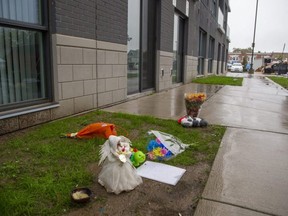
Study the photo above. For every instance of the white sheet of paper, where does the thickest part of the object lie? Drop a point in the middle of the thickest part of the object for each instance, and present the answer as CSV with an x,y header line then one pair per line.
x,y
161,172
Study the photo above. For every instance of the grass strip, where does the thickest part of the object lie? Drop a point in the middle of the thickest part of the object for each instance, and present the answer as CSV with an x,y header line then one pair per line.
x,y
39,169
219,80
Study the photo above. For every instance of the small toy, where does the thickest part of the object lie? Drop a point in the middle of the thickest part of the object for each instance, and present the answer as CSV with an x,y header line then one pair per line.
x,y
137,157
188,121
117,174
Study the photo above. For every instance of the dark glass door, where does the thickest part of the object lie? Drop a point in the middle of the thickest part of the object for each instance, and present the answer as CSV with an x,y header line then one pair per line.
x,y
178,41
133,46
141,46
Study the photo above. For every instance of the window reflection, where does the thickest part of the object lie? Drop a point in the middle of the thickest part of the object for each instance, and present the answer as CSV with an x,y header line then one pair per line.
x,y
21,10
133,41
177,49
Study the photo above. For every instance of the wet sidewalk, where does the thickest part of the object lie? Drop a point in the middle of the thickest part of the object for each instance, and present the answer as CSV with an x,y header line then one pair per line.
x,y
167,104
250,172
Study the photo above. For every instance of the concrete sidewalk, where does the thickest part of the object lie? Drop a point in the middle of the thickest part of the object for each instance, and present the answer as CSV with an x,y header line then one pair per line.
x,y
250,173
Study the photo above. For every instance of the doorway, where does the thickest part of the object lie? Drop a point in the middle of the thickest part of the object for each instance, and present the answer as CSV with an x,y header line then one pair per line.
x,y
178,49
141,46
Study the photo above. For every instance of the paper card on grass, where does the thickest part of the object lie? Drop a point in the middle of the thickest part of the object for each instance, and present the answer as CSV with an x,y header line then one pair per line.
x,y
161,172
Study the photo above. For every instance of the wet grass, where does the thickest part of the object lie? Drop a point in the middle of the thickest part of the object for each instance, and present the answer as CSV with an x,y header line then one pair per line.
x,y
283,81
38,169
219,80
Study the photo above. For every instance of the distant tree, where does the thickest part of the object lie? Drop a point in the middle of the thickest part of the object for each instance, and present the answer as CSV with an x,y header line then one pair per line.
x,y
236,50
279,57
244,62
242,51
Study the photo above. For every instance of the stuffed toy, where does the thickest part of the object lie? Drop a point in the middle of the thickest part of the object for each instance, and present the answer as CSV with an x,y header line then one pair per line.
x,y
188,121
137,157
117,173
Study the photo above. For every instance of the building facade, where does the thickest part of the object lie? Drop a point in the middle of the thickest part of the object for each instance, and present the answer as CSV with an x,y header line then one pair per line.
x,y
59,58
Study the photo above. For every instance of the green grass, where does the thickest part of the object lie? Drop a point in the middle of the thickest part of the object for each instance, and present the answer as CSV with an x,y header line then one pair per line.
x,y
280,80
38,169
219,80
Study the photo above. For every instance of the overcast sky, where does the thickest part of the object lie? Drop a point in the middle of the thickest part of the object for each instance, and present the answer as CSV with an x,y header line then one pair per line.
x,y
271,27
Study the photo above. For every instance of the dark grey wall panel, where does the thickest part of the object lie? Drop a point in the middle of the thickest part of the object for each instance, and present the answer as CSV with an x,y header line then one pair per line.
x,y
181,6
75,18
167,24
112,21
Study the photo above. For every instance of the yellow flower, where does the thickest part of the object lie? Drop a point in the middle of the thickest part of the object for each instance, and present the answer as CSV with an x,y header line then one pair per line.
x,y
199,97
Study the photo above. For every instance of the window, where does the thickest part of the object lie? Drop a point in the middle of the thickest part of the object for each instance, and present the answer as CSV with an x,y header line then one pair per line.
x,y
22,41
141,48
178,48
202,51
211,54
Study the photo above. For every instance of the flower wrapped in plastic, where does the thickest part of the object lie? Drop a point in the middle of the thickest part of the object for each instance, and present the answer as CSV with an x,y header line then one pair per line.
x,y
193,102
157,151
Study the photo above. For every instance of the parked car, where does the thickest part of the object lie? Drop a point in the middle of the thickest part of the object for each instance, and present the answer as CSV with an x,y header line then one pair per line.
x,y
277,68
237,67
229,66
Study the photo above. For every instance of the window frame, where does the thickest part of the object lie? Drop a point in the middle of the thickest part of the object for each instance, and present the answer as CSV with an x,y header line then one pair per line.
x,y
44,29
202,51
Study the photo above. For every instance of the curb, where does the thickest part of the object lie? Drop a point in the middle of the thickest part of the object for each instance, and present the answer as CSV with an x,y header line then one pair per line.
x,y
281,87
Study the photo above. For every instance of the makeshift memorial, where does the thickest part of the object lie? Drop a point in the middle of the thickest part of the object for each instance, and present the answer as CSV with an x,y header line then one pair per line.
x,y
101,129
188,121
117,174
164,147
193,102
137,157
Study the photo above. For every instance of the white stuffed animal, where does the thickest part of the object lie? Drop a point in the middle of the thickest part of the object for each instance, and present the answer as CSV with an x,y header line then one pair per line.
x,y
117,174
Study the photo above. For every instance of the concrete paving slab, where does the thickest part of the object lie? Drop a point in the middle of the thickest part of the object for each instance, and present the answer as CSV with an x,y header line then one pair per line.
x,y
210,208
250,171
254,106
246,113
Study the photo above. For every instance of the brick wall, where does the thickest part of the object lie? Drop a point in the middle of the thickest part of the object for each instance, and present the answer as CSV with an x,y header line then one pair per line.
x,y
112,21
167,24
181,6
90,74
75,18
92,19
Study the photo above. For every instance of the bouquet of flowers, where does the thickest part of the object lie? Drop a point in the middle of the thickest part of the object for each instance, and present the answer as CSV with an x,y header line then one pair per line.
x,y
157,151
193,102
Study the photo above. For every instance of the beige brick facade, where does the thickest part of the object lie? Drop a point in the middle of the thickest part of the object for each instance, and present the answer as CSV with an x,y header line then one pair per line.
x,y
190,70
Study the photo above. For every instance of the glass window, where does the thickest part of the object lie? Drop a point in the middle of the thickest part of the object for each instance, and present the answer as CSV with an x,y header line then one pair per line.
x,y
211,54
22,75
202,51
141,46
133,43
21,10
178,39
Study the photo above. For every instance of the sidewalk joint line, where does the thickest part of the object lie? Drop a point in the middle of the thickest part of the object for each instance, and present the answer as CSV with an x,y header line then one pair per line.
x,y
253,129
239,206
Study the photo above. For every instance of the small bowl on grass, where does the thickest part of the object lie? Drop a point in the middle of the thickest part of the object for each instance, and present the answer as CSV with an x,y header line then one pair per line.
x,y
81,195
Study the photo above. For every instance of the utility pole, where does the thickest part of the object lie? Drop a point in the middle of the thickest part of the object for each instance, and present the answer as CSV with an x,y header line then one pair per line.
x,y
253,44
283,51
